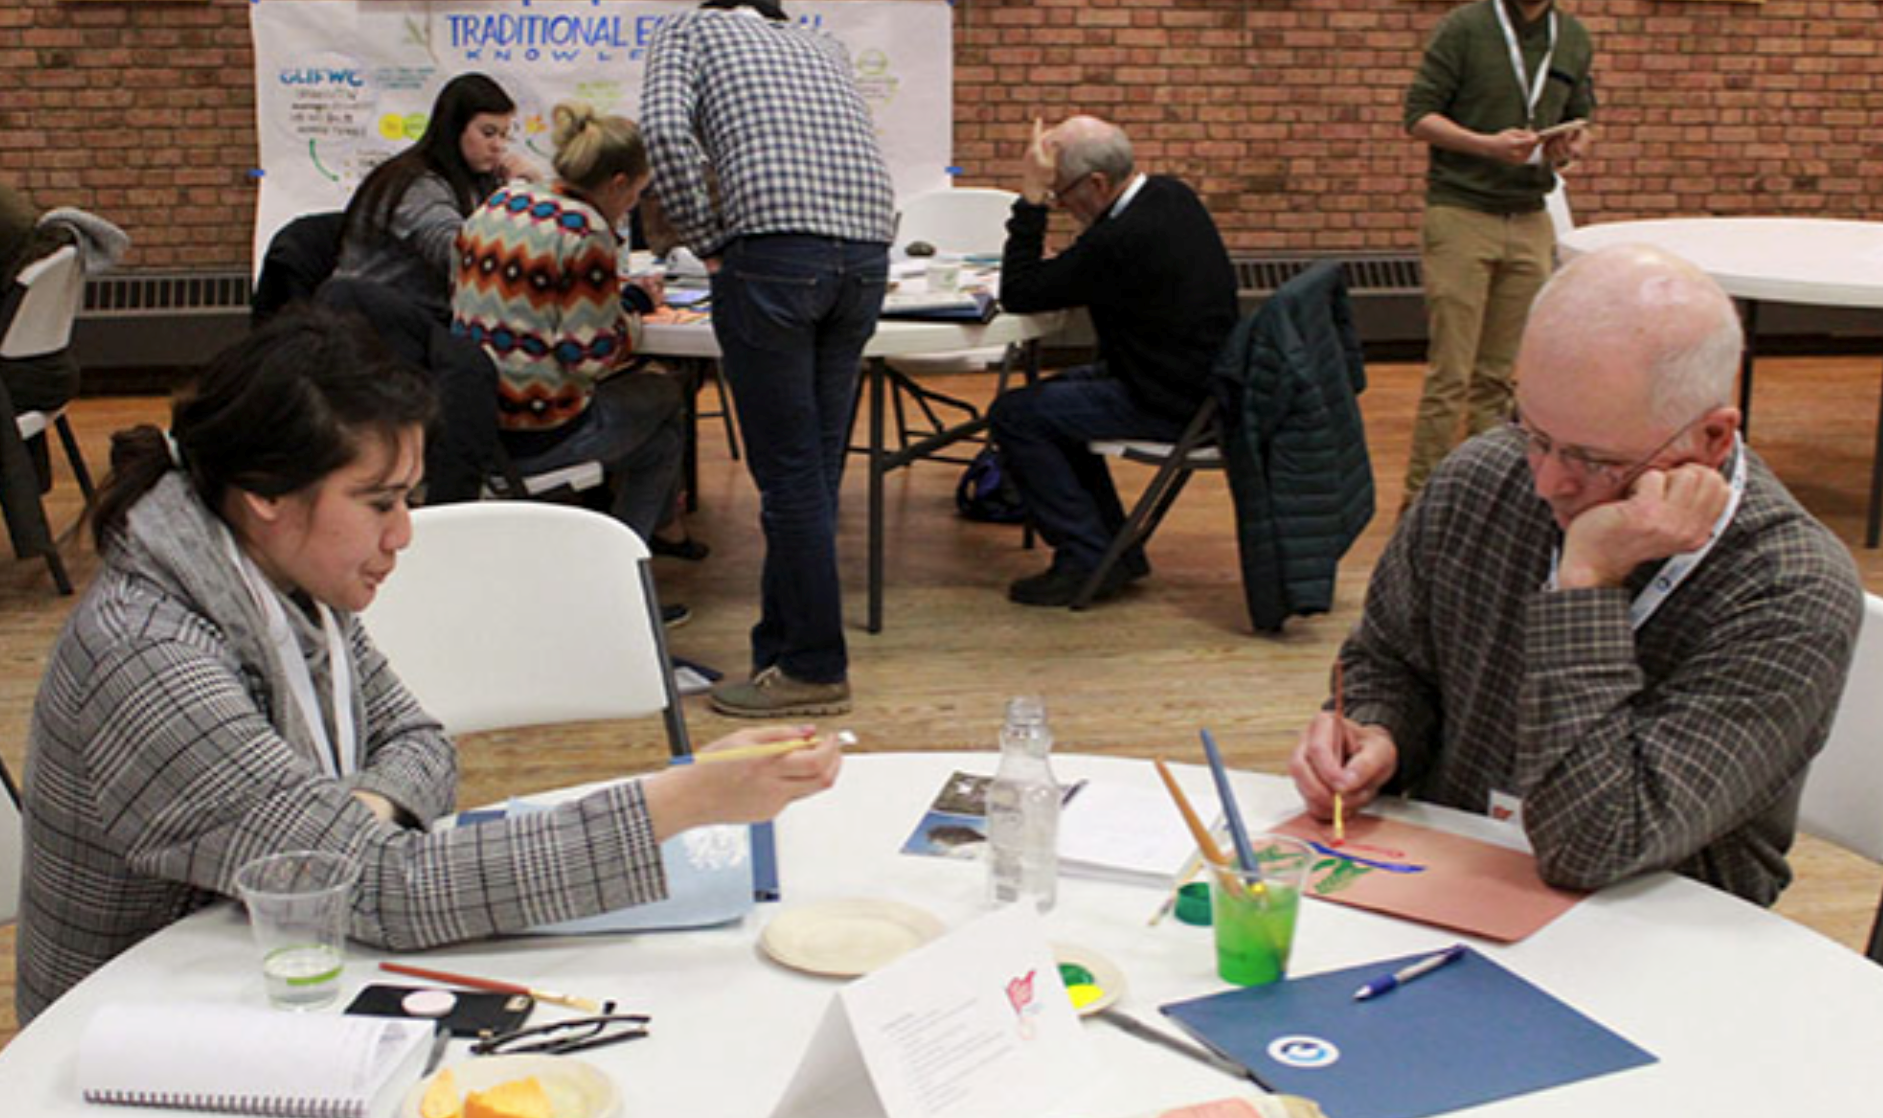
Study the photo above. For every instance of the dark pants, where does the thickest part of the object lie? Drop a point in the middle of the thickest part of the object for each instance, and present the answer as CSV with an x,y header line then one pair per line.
x,y
632,426
792,315
1042,432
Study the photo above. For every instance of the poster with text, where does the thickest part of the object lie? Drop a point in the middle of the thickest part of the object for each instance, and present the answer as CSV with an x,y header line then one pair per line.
x,y
340,85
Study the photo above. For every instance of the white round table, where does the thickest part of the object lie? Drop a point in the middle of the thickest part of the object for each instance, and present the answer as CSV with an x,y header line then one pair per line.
x,y
1814,261
1748,1013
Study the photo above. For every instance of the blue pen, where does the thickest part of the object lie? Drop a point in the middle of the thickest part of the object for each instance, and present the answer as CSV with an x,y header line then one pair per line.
x,y
1407,973
1237,833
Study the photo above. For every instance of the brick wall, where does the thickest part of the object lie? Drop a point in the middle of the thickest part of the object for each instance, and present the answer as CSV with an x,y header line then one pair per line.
x,y
1284,113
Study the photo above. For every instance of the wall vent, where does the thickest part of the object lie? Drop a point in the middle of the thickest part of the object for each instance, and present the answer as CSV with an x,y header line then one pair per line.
x,y
144,294
1366,275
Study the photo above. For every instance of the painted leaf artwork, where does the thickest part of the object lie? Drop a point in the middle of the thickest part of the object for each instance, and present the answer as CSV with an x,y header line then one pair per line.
x,y
1418,873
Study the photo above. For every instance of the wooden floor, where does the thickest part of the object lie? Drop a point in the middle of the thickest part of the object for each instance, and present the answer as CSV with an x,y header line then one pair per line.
x,y
1136,676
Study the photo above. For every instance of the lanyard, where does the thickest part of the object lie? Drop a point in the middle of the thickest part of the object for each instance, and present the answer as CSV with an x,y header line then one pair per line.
x,y
336,760
1531,91
1675,570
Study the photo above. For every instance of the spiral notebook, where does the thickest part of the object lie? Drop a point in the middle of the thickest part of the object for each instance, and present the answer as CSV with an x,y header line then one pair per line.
x,y
250,1060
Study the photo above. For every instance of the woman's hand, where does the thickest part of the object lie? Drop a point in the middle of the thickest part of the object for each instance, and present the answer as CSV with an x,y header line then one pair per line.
x,y
745,790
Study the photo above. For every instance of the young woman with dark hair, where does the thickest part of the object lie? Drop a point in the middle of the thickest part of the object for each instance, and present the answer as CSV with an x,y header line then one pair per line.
x,y
404,217
214,699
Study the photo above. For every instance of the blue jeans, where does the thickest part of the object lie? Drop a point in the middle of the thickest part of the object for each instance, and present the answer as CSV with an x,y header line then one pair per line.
x,y
792,315
633,427
1042,432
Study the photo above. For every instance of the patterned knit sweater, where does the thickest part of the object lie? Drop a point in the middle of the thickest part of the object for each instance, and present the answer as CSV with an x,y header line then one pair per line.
x,y
537,287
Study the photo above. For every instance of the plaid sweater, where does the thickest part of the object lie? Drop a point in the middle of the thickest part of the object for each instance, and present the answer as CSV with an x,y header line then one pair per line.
x,y
773,111
157,767
1682,746
538,287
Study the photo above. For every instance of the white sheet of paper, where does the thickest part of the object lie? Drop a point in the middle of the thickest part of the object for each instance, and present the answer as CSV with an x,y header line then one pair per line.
x,y
1127,832
974,1025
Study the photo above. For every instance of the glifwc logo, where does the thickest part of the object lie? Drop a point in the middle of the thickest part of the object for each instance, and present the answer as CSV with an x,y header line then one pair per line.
x,y
1303,1051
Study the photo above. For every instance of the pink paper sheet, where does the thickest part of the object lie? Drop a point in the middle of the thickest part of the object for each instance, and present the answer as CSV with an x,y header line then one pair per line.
x,y
1405,870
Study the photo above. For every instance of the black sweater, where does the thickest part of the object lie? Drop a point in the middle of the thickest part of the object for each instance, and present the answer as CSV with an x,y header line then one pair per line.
x,y
1156,279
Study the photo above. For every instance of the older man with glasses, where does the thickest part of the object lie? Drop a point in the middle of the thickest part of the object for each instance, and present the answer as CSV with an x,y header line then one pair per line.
x,y
1608,622
1151,269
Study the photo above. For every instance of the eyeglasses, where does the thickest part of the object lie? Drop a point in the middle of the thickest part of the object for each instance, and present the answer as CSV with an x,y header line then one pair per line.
x,y
574,1035
1594,469
1061,193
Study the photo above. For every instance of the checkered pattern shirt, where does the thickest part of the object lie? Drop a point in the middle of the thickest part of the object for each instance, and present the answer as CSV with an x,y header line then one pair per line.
x,y
773,111
1682,746
155,770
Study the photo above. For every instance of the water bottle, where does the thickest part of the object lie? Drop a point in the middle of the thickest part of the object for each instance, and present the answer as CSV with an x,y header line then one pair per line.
x,y
1023,811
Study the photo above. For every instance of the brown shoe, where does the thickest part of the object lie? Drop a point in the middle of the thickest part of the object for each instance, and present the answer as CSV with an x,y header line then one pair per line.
x,y
773,694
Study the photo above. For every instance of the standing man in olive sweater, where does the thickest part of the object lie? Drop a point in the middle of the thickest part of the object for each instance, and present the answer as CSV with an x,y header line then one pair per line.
x,y
1496,75
1152,271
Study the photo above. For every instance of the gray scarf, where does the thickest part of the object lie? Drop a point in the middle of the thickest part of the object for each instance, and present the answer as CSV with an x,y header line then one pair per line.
x,y
175,540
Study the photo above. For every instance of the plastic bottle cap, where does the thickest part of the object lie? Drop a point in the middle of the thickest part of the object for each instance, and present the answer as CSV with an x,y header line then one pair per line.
x,y
1193,903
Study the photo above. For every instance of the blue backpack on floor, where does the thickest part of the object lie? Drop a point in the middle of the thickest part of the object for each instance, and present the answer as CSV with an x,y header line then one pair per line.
x,y
987,492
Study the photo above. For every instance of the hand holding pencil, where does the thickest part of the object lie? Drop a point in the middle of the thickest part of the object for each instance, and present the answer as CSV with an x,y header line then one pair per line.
x,y
746,777
1340,758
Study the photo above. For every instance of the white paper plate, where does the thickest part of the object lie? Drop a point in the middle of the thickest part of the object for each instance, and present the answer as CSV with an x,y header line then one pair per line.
x,y
575,1089
1105,975
847,938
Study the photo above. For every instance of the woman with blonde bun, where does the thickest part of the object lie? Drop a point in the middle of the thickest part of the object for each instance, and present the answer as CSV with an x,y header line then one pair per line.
x,y
538,287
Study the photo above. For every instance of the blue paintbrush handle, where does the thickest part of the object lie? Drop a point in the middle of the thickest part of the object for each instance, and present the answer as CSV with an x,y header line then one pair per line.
x,y
1238,834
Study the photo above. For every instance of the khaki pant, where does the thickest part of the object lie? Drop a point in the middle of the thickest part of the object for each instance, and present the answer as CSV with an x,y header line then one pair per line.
x,y
1482,271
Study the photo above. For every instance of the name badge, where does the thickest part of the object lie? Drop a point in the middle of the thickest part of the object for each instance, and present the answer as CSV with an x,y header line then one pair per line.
x,y
1505,808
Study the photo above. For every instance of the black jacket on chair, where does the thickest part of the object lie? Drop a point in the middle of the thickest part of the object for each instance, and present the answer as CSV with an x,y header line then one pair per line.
x,y
1287,381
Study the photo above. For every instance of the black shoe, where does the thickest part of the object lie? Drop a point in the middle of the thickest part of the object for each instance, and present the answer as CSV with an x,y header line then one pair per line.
x,y
686,548
1135,564
675,614
1059,585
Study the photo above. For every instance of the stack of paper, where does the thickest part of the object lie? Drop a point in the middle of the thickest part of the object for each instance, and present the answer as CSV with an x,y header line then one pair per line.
x,y
1127,832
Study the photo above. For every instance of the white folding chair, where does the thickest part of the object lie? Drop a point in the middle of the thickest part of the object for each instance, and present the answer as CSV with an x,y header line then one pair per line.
x,y
513,613
952,222
1843,798
52,288
12,847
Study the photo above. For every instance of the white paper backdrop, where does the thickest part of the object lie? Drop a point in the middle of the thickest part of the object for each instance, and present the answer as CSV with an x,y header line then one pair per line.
x,y
342,84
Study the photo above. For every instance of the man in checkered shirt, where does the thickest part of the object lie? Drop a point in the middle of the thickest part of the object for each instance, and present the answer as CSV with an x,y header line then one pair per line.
x,y
1608,620
766,164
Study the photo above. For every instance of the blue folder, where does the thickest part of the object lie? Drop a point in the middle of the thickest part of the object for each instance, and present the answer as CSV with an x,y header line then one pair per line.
x,y
1464,1034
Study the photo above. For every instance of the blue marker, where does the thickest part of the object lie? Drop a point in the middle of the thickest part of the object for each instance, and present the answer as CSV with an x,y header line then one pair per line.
x,y
1238,834
1407,973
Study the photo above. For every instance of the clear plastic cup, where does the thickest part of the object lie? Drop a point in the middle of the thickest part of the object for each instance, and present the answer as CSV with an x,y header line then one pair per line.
x,y
297,907
1253,912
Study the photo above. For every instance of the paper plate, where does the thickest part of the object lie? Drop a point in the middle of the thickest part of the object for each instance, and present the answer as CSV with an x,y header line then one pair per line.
x,y
575,1089
1105,975
847,938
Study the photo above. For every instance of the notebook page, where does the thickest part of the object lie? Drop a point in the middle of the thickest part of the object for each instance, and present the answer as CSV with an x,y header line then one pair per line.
x,y
221,1056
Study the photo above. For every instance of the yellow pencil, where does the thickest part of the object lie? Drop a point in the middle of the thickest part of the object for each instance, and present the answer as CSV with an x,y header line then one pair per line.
x,y
770,748
1340,727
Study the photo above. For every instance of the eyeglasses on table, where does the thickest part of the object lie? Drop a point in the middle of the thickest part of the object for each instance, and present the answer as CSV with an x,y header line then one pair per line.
x,y
577,1034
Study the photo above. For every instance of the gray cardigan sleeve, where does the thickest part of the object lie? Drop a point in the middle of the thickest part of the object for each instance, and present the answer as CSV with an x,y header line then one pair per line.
x,y
192,781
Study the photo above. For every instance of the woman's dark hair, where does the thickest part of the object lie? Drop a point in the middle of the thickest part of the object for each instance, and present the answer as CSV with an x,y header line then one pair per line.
x,y
770,9
461,100
272,414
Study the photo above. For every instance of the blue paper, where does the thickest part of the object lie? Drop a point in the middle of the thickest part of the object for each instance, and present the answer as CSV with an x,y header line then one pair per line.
x,y
1462,1035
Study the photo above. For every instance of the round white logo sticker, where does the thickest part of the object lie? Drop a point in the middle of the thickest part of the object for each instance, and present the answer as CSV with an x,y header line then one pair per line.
x,y
1303,1051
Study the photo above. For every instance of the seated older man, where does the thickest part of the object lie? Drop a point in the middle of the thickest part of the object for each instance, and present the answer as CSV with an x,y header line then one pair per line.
x,y
1152,271
1608,620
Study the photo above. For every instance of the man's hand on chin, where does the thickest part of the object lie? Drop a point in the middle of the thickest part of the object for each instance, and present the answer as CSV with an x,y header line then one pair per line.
x,y
1665,513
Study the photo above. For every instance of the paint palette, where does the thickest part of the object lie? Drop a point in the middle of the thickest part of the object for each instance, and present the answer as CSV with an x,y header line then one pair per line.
x,y
1092,981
